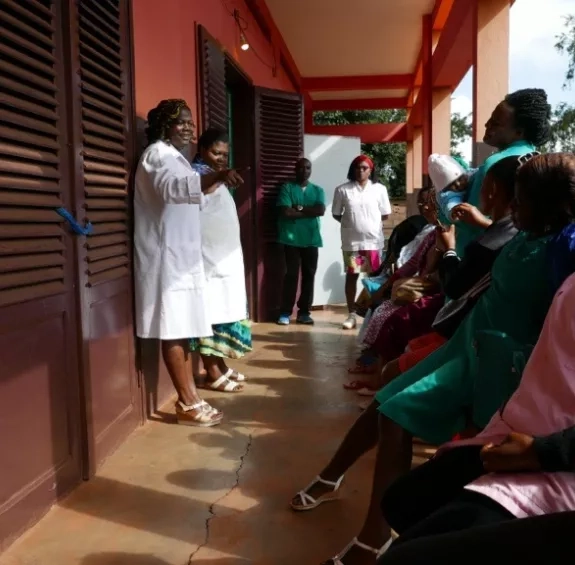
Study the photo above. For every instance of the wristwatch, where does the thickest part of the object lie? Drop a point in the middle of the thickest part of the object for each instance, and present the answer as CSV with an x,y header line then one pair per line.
x,y
299,207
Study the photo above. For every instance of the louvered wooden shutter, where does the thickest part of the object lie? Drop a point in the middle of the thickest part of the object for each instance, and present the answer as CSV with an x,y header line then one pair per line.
x,y
213,95
279,143
31,144
102,27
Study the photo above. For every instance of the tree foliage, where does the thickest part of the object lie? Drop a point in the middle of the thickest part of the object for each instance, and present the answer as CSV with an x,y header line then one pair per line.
x,y
566,46
461,129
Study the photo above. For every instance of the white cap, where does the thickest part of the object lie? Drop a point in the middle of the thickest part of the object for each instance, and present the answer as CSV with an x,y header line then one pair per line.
x,y
443,170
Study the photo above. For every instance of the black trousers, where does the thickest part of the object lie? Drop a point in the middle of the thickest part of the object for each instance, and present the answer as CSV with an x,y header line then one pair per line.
x,y
296,258
544,540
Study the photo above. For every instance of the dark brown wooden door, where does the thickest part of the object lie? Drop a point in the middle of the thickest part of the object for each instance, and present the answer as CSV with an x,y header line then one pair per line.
x,y
102,153
39,393
279,143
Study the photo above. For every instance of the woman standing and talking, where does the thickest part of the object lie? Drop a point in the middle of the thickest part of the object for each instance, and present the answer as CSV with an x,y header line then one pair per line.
x,y
169,277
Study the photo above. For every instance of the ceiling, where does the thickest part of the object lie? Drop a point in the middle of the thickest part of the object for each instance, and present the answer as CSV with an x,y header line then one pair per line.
x,y
375,37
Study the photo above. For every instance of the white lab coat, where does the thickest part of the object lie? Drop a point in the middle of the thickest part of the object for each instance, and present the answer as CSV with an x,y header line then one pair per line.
x,y
223,257
168,266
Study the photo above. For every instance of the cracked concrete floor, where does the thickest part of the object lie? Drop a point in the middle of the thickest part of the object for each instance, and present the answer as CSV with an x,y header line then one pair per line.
x,y
173,495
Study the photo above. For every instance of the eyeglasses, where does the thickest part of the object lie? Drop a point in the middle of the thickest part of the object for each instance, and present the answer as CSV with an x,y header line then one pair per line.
x,y
522,159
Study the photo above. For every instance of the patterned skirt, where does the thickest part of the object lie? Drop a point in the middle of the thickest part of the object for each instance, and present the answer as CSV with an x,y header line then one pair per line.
x,y
232,340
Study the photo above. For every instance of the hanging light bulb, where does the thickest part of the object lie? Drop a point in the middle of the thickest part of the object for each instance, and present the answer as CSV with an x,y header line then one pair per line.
x,y
244,45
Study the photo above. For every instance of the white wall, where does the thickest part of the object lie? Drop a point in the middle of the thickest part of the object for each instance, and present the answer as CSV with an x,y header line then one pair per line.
x,y
330,157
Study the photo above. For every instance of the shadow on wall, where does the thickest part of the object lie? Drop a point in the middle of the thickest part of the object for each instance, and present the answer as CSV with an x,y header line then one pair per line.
x,y
334,283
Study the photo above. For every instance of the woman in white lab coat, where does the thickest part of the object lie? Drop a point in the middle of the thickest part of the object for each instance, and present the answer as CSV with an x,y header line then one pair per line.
x,y
224,268
168,265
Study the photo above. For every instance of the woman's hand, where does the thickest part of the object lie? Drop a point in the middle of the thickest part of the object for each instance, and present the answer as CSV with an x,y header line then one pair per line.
x,y
231,178
470,215
445,238
516,453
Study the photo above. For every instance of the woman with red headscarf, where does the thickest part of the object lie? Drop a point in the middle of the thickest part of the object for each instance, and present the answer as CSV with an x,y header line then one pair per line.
x,y
360,205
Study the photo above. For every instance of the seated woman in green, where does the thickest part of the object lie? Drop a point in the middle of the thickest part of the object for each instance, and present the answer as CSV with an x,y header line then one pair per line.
x,y
518,125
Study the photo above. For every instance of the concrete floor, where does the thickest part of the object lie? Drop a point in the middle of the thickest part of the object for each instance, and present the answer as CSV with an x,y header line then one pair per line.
x,y
173,495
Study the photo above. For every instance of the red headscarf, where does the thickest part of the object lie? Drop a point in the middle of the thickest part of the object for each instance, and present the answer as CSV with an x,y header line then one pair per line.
x,y
362,159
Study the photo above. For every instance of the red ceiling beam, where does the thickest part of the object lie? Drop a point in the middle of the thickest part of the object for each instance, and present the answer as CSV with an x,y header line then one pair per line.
x,y
368,133
367,82
453,55
261,13
359,104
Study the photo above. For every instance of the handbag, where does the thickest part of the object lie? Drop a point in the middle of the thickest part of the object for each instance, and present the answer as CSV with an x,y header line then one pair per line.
x,y
411,289
454,312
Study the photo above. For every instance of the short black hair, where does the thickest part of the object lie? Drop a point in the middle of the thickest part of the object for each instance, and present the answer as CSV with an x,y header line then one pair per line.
x,y
504,173
161,118
212,136
532,114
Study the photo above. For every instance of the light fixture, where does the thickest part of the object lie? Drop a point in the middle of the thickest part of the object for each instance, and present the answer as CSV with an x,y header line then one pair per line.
x,y
244,45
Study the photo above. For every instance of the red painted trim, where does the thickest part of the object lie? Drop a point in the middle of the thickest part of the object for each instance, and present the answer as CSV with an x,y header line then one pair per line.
x,y
261,12
440,14
307,111
359,104
368,133
368,82
426,89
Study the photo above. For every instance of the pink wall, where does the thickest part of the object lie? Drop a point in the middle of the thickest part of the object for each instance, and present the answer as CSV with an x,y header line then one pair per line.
x,y
165,48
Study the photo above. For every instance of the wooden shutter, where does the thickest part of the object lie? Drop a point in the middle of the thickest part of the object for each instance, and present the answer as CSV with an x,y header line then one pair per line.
x,y
213,94
31,236
105,112
279,143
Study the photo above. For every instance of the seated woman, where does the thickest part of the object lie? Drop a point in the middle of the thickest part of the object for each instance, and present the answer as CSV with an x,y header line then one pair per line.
x,y
422,263
521,466
225,277
433,400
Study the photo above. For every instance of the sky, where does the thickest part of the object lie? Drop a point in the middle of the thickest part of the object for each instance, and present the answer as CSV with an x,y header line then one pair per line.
x,y
533,59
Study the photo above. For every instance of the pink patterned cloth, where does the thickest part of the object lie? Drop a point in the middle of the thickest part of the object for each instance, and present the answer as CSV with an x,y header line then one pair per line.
x,y
415,266
355,262
544,403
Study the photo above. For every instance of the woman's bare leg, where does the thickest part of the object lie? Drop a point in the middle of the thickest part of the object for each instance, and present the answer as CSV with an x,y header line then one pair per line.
x,y
177,358
197,365
361,438
393,459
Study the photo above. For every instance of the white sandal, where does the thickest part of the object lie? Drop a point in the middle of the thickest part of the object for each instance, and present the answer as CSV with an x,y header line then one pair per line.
x,y
201,415
236,376
337,560
223,384
308,502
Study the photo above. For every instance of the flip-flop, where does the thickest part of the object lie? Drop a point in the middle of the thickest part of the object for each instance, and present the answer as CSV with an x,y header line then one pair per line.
x,y
361,369
366,391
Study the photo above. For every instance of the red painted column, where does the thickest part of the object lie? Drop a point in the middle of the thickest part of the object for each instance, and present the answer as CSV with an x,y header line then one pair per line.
x,y
426,93
307,113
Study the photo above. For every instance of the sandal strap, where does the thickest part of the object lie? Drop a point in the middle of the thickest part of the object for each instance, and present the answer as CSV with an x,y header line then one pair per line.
x,y
229,386
356,543
308,499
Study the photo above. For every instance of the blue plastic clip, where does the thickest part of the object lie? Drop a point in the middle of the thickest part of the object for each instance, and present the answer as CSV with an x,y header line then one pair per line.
x,y
73,223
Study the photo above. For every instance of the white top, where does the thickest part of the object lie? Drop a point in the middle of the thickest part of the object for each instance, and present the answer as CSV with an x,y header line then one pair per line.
x,y
361,210
223,258
168,267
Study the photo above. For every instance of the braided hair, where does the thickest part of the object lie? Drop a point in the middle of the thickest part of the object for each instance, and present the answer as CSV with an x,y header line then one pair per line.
x,y
162,118
532,114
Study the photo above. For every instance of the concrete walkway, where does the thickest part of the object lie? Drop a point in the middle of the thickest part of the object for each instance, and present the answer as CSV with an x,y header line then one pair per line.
x,y
173,495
